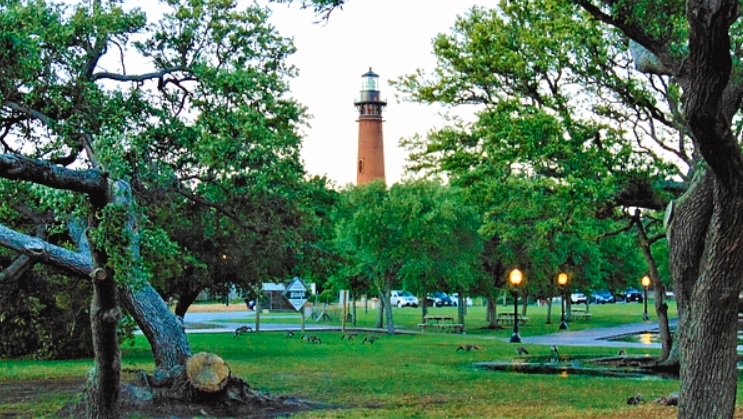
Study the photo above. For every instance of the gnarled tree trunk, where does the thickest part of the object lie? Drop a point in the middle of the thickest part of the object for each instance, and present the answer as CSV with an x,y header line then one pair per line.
x,y
708,344
707,261
102,391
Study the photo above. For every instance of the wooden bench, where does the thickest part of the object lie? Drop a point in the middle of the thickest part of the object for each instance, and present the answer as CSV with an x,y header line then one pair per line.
x,y
507,318
580,313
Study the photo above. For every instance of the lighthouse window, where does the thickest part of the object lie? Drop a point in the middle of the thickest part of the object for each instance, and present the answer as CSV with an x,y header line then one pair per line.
x,y
361,166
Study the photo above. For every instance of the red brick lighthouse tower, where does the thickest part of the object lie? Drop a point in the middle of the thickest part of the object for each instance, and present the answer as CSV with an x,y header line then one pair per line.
x,y
370,164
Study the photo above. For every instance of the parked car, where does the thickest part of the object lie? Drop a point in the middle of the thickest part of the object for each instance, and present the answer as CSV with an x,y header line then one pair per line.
x,y
578,298
632,294
439,299
602,297
403,299
455,300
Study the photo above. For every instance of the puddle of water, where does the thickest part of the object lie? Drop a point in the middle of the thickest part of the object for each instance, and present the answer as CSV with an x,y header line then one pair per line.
x,y
651,336
566,369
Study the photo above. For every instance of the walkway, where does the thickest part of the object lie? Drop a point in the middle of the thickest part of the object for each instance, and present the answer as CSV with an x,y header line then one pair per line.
x,y
272,322
598,336
269,322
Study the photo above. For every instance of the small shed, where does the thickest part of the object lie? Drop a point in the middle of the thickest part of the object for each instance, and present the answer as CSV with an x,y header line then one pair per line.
x,y
273,299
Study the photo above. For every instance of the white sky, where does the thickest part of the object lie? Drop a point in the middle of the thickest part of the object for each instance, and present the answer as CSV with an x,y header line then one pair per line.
x,y
391,36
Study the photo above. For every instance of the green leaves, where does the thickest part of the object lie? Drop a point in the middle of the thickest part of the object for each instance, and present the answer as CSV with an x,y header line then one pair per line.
x,y
419,232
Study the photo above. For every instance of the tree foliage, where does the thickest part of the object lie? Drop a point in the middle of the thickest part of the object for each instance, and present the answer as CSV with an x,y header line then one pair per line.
x,y
121,127
620,102
418,235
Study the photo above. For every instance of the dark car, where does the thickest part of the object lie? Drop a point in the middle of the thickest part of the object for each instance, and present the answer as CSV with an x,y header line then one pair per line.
x,y
602,297
439,299
632,294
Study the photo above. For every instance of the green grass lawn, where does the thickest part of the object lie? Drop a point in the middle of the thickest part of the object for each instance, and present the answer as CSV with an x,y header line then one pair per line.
x,y
405,375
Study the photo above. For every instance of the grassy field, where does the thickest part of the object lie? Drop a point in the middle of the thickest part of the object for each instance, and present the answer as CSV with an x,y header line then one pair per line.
x,y
405,375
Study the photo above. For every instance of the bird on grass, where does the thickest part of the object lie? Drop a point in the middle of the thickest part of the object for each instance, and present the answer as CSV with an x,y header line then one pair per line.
x,y
242,329
467,348
522,351
555,352
311,339
370,339
349,336
290,334
636,399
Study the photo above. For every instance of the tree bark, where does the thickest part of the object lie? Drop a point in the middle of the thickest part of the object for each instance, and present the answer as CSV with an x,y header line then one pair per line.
x,y
102,390
492,311
706,260
161,328
661,308
381,310
185,300
354,301
708,344
388,306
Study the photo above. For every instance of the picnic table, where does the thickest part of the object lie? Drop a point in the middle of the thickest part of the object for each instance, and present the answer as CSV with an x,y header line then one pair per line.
x,y
442,323
580,313
507,318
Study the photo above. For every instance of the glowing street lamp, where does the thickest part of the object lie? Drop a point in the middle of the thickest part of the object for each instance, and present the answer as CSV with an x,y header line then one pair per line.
x,y
645,284
515,278
562,281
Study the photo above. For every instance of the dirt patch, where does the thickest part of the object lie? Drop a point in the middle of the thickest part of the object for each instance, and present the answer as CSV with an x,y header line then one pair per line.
x,y
12,392
29,391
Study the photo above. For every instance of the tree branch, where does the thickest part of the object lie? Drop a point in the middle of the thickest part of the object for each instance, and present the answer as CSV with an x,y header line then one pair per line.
x,y
20,266
92,182
636,34
138,77
44,252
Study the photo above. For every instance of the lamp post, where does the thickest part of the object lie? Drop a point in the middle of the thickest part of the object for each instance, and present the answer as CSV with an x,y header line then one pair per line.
x,y
645,284
562,280
515,278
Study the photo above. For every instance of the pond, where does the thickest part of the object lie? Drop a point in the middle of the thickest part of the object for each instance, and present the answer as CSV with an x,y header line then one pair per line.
x,y
566,367
652,336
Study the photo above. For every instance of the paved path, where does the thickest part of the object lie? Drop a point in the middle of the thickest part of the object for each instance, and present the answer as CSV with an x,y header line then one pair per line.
x,y
598,336
273,322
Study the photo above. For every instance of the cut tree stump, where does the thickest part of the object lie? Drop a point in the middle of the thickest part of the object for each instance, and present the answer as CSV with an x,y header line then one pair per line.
x,y
207,372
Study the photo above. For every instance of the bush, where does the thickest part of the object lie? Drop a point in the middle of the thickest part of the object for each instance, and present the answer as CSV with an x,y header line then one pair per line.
x,y
45,317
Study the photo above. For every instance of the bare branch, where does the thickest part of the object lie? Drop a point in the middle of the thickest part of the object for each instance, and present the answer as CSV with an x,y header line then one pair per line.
x,y
138,77
20,267
46,120
635,33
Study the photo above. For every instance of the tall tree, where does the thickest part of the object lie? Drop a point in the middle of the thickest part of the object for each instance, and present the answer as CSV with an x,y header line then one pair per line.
x,y
208,119
638,118
415,235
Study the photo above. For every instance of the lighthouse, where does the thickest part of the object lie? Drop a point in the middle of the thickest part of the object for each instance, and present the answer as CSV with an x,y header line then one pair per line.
x,y
370,163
